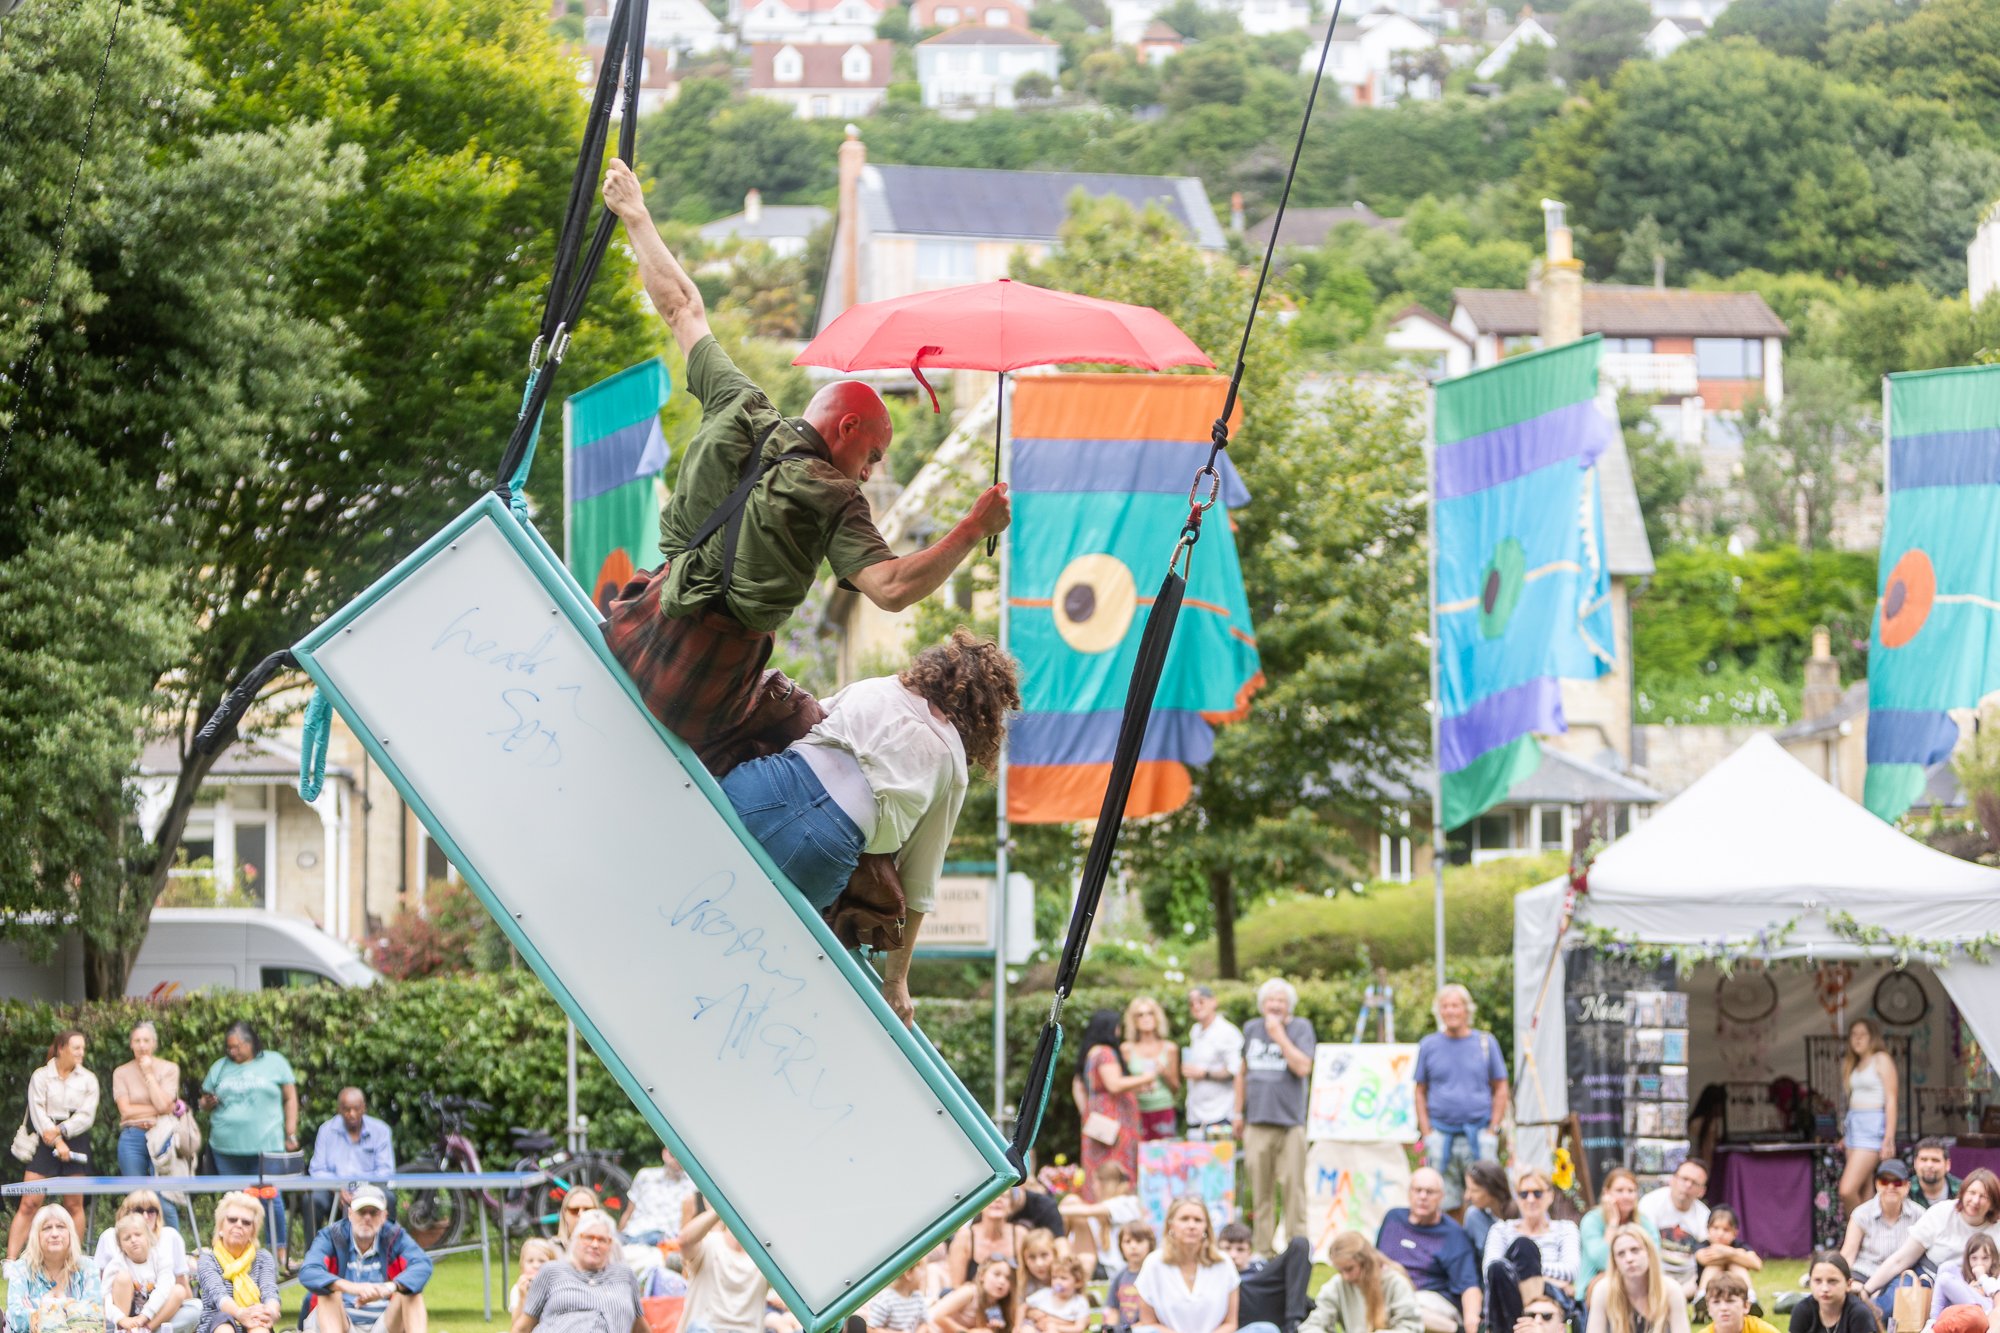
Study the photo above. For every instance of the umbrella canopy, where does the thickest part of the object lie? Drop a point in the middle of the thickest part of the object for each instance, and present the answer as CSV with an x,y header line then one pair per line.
x,y
1002,325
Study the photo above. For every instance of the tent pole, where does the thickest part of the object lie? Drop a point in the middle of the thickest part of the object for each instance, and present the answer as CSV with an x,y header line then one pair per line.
x,y
1436,701
1002,469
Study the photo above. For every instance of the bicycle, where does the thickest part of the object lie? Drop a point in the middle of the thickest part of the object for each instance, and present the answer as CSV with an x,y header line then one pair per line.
x,y
436,1218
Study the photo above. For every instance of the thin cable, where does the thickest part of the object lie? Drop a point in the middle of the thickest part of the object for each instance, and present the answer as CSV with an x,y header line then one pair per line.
x,y
27,363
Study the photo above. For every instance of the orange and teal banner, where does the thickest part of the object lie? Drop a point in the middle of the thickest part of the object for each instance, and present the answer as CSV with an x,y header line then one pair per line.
x,y
1936,642
1523,595
1100,473
616,453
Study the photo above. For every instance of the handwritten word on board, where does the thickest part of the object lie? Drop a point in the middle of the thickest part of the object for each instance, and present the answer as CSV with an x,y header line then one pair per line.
x,y
1363,1094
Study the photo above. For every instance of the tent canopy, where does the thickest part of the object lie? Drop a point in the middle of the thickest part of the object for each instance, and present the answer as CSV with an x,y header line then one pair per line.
x,y
1756,844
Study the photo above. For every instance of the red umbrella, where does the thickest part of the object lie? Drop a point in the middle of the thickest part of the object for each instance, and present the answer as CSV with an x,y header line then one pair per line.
x,y
1001,325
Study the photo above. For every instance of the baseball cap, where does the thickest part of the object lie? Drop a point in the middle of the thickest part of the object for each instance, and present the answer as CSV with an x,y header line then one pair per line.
x,y
368,1196
1202,991
1892,1168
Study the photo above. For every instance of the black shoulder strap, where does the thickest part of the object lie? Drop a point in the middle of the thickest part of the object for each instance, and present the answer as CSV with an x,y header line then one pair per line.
x,y
729,514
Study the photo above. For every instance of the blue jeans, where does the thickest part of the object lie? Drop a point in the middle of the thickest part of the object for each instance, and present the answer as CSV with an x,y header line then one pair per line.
x,y
1441,1154
248,1164
782,804
134,1160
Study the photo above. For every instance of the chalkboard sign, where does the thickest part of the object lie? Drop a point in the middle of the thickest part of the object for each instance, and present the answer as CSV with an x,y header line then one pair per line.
x,y
835,1142
1598,1015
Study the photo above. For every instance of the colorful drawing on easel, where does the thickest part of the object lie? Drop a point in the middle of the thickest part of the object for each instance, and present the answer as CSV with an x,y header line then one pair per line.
x,y
1169,1168
1364,1094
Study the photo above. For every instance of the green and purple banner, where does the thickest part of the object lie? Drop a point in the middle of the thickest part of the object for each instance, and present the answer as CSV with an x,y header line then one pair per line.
x,y
1523,595
616,451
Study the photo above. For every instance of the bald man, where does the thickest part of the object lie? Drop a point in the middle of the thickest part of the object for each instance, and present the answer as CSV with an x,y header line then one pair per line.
x,y
762,501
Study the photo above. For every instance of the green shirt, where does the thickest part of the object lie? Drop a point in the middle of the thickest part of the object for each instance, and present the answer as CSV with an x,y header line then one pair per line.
x,y
801,513
250,1113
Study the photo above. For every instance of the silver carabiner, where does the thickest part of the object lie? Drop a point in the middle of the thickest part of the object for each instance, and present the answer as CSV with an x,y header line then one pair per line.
x,y
559,344
535,355
1214,488
1185,546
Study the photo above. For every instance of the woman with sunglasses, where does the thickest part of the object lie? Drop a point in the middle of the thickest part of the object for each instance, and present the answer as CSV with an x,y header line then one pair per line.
x,y
236,1278
578,1201
1540,1315
1531,1247
168,1244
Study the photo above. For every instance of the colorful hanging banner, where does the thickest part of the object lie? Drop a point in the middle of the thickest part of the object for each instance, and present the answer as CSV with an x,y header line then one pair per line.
x,y
616,453
1523,595
1936,641
1100,474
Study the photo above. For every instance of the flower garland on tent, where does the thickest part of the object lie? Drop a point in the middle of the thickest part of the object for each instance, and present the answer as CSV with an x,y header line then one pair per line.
x,y
1727,954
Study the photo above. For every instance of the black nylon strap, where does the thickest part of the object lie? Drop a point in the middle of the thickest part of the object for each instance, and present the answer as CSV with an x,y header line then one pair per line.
x,y
728,516
1153,645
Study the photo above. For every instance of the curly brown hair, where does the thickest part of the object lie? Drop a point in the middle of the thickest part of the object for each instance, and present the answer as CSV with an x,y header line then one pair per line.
x,y
975,684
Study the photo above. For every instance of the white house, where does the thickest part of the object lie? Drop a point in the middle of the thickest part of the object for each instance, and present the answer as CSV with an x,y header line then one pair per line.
x,y
1159,43
1262,17
1430,346
786,228
974,66
1667,36
927,14
820,80
829,22
1370,60
1704,12
1532,30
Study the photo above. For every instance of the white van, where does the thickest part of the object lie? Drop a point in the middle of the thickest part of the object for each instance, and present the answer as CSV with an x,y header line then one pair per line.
x,y
198,948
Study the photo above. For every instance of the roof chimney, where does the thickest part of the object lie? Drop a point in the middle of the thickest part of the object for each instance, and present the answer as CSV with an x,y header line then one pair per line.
x,y
1562,281
1822,693
1236,211
853,158
753,206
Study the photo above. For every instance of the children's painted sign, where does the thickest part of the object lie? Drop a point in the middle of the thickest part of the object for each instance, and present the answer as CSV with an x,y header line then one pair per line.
x,y
1364,1093
1350,1187
1169,1168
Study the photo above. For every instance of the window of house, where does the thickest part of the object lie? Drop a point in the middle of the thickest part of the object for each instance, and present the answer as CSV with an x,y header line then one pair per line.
x,y
819,106
945,15
1729,358
224,858
1495,831
787,66
1638,346
997,18
855,65
946,261
1395,853
1549,831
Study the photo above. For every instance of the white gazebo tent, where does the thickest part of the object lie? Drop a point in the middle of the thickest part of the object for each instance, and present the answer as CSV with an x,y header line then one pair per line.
x,y
1756,844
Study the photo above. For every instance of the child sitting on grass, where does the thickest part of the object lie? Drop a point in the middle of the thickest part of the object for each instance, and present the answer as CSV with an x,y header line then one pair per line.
x,y
980,1306
1062,1306
534,1253
899,1308
1723,1255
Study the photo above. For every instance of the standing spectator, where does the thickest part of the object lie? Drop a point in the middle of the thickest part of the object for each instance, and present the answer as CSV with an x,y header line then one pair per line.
x,y
364,1271
1436,1253
55,1287
145,1205
1680,1219
656,1199
351,1146
1366,1294
236,1278
1487,1200
1271,1109
1210,1064
1461,1090
1635,1296
1870,1132
1878,1228
1186,1286
726,1292
1148,1050
62,1106
1111,1129
1617,1204
1935,1182
141,1293
1835,1307
593,1291
1940,1234
1532,1246
254,1098
148,1091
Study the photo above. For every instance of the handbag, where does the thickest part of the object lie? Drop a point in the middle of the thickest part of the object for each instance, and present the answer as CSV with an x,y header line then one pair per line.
x,y
1100,1127
24,1143
1913,1303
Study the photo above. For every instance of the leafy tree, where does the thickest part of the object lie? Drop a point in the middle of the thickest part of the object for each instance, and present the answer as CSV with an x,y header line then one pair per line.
x,y
1119,79
1452,261
1943,50
1197,22
1340,311
1212,73
894,25
1796,28
1034,86
1645,246
1932,195
1600,35
1803,463
1532,63
1391,157
1666,475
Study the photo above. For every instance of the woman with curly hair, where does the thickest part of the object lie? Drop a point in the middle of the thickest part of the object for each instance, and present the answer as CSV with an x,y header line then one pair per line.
x,y
886,771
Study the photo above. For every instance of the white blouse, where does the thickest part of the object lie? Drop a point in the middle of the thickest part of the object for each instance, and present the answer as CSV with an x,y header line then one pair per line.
x,y
1201,1310
915,766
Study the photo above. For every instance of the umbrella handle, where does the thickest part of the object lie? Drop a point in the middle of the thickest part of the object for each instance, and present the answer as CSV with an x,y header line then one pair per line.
x,y
917,370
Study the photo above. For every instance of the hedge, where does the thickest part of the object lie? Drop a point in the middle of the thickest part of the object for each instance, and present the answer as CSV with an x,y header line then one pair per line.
x,y
500,1037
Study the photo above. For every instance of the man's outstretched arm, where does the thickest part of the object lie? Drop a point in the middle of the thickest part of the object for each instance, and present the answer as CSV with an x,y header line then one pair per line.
x,y
903,582
674,294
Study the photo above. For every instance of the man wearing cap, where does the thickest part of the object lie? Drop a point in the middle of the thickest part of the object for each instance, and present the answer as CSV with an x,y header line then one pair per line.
x,y
1214,1054
1878,1228
364,1272
351,1146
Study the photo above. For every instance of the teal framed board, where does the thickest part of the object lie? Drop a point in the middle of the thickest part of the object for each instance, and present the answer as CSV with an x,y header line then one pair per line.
x,y
835,1143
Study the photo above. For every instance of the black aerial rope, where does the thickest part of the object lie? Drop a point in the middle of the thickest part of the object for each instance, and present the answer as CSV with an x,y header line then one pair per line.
x,y
618,79
1153,645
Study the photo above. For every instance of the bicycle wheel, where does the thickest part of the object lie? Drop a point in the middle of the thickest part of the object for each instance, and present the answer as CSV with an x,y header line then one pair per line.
x,y
596,1172
435,1218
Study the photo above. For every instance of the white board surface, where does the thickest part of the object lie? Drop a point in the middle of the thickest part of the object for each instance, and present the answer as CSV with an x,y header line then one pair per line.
x,y
671,941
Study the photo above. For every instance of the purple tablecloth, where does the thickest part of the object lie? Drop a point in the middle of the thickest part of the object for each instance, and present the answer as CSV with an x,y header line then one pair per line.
x,y
1771,1190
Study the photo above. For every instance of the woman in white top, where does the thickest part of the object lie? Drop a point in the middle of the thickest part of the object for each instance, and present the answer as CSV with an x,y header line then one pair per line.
x,y
1870,1076
62,1106
1529,1246
1186,1286
884,772
1942,1229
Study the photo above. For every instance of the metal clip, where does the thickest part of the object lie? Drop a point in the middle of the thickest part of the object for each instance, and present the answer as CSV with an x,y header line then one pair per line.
x,y
535,356
1214,488
1183,547
559,345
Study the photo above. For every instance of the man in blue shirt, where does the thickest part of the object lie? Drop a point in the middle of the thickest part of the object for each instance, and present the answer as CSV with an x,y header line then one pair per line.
x,y
352,1146
364,1272
1461,1097
1436,1253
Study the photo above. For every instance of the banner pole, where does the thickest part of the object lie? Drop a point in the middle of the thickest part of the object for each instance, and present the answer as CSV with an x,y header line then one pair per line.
x,y
569,490
1003,460
1436,700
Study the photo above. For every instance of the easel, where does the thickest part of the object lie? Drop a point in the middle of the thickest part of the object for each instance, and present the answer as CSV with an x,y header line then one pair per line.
x,y
1379,998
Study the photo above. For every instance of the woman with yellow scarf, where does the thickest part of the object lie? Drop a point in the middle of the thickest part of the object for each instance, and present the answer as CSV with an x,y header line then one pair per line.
x,y
236,1278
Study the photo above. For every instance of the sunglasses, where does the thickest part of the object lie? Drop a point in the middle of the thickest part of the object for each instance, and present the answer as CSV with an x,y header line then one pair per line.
x,y
146,1208
1529,1194
583,1208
